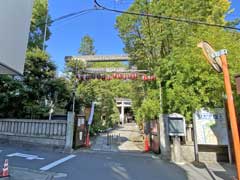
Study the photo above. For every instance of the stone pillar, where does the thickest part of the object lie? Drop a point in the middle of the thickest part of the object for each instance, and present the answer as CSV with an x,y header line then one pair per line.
x,y
176,150
189,134
164,139
122,113
69,133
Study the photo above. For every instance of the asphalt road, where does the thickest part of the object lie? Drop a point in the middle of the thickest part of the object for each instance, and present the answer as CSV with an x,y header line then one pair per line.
x,y
93,165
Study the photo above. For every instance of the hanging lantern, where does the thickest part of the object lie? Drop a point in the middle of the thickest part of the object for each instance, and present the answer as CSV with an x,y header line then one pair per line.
x,y
120,76
153,78
98,76
84,77
89,77
144,78
133,76
149,78
93,76
103,76
114,75
107,77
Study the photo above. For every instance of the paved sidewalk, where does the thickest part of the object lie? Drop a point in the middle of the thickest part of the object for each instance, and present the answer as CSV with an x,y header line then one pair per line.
x,y
210,171
126,138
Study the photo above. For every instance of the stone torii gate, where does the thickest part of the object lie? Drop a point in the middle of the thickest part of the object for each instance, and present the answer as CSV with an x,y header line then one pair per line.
x,y
99,58
105,58
123,103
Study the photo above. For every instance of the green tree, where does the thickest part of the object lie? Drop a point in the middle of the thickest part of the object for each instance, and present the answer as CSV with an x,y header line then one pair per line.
x,y
39,70
27,96
37,28
13,95
168,49
87,46
104,92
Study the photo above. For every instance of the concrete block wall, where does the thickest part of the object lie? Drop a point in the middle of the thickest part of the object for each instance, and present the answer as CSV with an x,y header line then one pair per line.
x,y
207,153
42,132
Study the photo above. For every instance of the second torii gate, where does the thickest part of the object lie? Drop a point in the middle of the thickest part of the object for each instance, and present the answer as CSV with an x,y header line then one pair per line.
x,y
123,103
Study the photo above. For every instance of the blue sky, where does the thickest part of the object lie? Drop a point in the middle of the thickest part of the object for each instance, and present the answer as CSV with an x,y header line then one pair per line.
x,y
66,35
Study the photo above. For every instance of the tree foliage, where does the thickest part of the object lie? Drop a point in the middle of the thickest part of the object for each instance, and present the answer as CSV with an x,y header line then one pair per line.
x,y
37,28
169,50
29,96
104,93
87,46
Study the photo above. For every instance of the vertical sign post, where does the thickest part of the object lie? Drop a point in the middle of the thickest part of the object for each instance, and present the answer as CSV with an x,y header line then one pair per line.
x,y
218,60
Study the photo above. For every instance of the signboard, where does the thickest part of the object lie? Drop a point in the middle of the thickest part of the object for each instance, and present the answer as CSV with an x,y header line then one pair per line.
x,y
211,127
81,121
15,16
176,125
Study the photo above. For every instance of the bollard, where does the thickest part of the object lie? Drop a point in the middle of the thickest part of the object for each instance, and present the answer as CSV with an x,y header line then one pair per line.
x,y
107,138
111,139
119,139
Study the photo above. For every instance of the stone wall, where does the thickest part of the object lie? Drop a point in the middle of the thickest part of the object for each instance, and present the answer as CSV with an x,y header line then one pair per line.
x,y
43,132
207,153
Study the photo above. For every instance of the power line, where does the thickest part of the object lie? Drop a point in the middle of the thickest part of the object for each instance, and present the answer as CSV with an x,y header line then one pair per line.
x,y
71,18
98,5
71,15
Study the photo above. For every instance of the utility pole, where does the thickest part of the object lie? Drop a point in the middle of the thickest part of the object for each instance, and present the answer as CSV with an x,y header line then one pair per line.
x,y
75,86
45,29
164,142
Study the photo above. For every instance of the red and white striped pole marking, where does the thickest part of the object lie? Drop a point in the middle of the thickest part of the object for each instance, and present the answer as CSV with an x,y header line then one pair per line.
x,y
5,172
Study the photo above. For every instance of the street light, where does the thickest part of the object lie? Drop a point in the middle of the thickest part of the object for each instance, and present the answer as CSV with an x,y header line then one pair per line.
x,y
218,60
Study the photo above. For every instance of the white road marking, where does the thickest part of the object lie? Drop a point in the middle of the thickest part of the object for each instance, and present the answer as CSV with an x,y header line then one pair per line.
x,y
60,175
55,163
27,156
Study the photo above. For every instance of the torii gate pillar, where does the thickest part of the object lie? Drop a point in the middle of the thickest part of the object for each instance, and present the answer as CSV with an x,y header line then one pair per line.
x,y
122,113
